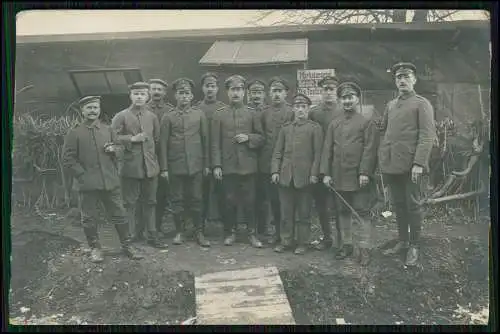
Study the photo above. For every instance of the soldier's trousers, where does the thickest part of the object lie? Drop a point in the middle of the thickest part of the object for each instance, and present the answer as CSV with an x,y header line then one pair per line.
x,y
186,198
295,215
114,210
322,201
212,199
267,203
405,197
239,192
361,201
161,202
140,192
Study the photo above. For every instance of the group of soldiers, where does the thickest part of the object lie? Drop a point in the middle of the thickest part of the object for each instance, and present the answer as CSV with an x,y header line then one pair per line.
x,y
256,164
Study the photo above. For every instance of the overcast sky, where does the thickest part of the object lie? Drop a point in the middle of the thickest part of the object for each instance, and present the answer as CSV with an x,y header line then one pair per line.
x,y
48,22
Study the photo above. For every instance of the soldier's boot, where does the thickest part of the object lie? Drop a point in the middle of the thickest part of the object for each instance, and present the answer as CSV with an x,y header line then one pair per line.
x,y
254,241
126,242
400,246
92,237
230,239
344,252
364,256
300,250
279,248
412,256
179,227
199,221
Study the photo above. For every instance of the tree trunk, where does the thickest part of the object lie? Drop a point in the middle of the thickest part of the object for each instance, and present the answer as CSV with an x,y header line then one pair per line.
x,y
399,15
420,15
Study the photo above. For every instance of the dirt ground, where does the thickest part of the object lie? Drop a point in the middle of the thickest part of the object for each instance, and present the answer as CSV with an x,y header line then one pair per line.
x,y
52,281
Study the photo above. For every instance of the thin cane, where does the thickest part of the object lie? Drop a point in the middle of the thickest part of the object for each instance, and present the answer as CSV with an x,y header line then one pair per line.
x,y
345,202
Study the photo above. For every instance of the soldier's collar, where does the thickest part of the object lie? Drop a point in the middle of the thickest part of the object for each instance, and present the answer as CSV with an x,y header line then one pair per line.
x,y
158,104
299,121
405,96
206,101
183,111
137,110
95,124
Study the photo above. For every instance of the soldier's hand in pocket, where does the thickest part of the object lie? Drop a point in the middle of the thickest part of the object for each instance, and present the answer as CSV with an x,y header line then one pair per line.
x,y
275,178
313,179
416,173
327,181
363,180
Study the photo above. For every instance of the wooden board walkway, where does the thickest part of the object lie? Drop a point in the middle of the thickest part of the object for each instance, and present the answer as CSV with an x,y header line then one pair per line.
x,y
242,297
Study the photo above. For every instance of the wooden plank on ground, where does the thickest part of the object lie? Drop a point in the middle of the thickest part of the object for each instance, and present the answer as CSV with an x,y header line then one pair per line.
x,y
241,297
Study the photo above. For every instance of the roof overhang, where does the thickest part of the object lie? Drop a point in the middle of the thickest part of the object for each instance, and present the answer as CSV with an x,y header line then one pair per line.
x,y
256,52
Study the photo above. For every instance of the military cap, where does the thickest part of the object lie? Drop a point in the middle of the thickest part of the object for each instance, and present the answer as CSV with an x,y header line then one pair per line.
x,y
139,85
256,84
88,99
209,75
234,80
182,83
277,81
329,79
403,68
301,98
158,81
347,88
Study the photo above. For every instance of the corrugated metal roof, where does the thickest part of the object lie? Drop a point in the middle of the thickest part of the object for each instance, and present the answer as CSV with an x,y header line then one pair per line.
x,y
256,52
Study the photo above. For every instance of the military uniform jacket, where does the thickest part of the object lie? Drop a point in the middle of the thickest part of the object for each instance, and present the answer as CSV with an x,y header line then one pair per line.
x,y
232,157
160,109
184,142
410,130
272,118
349,150
297,153
324,114
209,108
84,156
139,159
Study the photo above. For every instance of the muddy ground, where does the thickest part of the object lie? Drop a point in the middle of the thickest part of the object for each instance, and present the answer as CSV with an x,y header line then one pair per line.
x,y
54,283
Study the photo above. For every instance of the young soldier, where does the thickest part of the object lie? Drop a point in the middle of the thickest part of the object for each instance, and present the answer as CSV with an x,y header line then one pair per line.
x,y
237,134
324,114
295,167
183,158
212,197
138,129
256,95
404,153
348,164
88,153
159,106
273,117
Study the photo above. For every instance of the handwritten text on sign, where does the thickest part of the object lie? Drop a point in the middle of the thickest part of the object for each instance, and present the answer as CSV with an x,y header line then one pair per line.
x,y
307,82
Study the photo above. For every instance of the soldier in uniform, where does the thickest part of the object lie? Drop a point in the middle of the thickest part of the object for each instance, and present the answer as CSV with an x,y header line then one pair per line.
x,y
256,95
159,106
236,136
348,164
272,117
138,129
404,152
212,197
295,167
183,159
89,153
324,114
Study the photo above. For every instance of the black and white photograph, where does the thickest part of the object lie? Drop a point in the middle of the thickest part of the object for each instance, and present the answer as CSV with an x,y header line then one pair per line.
x,y
251,167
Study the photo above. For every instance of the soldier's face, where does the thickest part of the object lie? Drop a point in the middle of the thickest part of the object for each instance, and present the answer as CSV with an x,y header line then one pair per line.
x,y
301,110
278,95
236,94
139,97
158,91
349,101
210,90
183,97
329,93
91,111
257,96
405,81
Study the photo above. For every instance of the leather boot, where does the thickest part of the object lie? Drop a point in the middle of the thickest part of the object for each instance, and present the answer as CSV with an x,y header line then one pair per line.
x,y
96,255
200,238
412,256
126,242
199,222
92,237
179,227
398,247
300,250
254,241
230,239
344,252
